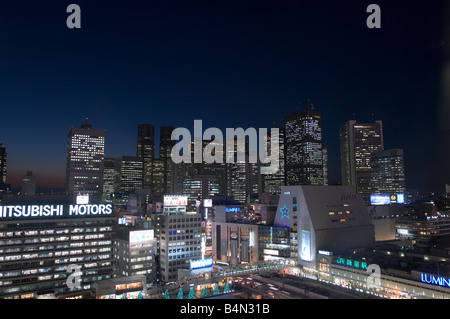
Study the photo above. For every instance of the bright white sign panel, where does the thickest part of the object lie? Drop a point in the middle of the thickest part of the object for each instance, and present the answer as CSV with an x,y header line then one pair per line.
x,y
175,200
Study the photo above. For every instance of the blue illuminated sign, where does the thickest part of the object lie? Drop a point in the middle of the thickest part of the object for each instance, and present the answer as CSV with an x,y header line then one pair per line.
x,y
201,263
400,198
380,199
232,209
435,280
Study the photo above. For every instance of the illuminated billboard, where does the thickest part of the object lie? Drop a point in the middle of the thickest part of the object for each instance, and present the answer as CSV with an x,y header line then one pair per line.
x,y
207,202
232,209
201,263
175,200
305,253
380,199
377,199
83,199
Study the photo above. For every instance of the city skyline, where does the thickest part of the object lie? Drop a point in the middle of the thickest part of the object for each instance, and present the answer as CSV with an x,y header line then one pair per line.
x,y
230,65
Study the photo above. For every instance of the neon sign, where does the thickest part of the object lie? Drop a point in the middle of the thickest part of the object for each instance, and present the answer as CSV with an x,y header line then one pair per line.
x,y
352,263
435,280
232,209
284,212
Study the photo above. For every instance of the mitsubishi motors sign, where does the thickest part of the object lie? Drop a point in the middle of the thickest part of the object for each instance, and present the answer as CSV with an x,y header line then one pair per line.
x,y
175,201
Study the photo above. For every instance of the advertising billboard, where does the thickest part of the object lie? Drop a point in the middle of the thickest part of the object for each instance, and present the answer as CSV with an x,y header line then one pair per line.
x,y
305,253
380,199
175,200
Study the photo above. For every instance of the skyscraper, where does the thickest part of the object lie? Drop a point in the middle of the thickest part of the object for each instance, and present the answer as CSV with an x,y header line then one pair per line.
x,y
127,175
85,156
243,176
304,154
358,142
272,183
108,179
146,150
28,184
165,148
388,172
3,168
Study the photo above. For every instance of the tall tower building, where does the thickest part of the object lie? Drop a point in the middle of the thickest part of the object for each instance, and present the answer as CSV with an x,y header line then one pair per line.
x,y
325,164
388,172
108,179
304,154
165,148
146,150
127,175
272,183
358,142
28,184
85,156
243,176
3,168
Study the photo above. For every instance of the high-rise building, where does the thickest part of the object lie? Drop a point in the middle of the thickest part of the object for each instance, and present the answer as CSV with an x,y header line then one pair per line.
x,y
358,142
179,242
108,179
85,156
388,172
3,168
325,164
304,155
28,184
165,148
183,170
146,150
243,176
200,187
272,182
44,243
134,252
127,175
158,176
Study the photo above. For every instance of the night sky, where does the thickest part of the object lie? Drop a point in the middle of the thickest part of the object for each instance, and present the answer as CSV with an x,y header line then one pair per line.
x,y
228,63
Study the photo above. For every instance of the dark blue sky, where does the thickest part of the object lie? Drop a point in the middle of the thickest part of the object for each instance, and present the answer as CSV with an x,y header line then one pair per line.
x,y
229,63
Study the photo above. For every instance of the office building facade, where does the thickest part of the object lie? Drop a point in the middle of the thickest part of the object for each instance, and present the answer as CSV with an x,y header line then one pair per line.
x,y
108,179
272,183
146,150
388,172
358,142
42,245
134,252
85,156
128,175
179,242
304,149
